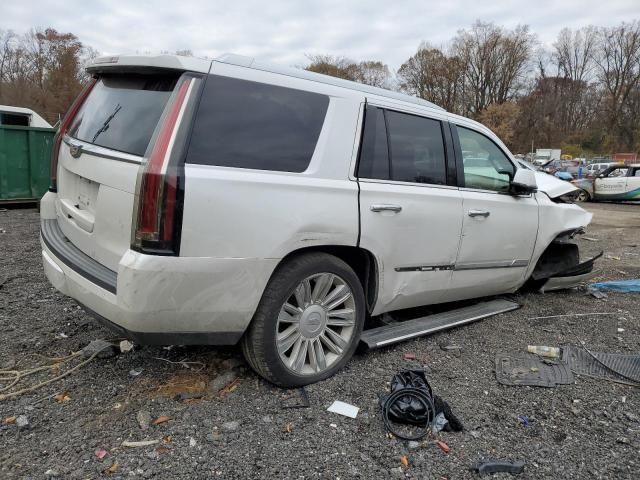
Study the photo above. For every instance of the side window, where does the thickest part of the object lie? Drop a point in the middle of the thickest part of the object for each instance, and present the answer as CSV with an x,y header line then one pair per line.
x,y
417,149
374,153
486,167
247,124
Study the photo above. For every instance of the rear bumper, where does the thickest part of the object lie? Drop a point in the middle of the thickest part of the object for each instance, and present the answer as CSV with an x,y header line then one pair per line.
x,y
160,300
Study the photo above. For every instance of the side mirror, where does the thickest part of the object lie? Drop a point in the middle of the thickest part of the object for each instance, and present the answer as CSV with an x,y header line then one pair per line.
x,y
524,181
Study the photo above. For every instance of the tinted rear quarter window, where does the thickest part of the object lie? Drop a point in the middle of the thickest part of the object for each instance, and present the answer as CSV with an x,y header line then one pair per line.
x,y
122,111
247,124
374,157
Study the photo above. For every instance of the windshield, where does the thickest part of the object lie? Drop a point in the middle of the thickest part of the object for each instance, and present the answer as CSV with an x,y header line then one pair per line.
x,y
122,111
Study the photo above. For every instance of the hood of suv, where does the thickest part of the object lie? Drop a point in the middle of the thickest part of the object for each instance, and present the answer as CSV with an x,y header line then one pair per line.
x,y
552,186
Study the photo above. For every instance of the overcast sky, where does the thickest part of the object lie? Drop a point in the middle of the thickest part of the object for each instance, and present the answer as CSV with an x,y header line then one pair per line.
x,y
284,31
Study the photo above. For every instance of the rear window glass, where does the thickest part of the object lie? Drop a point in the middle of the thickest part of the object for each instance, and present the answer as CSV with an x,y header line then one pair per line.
x,y
122,111
248,124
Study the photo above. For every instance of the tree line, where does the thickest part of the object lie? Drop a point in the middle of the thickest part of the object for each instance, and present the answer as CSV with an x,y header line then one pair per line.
x,y
42,70
581,94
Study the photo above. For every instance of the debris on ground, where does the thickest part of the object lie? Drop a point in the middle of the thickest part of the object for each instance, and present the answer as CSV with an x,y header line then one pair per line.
x,y
488,467
143,443
112,469
619,367
544,351
442,446
161,419
597,294
524,420
439,423
622,286
345,409
125,346
412,403
409,356
100,453
449,348
526,369
62,397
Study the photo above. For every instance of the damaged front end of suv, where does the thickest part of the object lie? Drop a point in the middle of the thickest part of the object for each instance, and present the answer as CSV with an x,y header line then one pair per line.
x,y
557,263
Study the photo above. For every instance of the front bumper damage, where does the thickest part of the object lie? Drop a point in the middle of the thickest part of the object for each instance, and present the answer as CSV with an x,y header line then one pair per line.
x,y
560,266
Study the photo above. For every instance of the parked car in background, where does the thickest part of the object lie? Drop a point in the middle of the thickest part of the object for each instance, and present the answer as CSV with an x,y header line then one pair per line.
x,y
226,201
572,167
595,169
618,182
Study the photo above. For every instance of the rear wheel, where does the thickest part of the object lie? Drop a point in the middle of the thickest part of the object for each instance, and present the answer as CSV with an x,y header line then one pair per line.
x,y
583,196
308,322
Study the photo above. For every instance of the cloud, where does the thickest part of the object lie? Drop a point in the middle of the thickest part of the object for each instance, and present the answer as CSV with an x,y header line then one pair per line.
x,y
285,31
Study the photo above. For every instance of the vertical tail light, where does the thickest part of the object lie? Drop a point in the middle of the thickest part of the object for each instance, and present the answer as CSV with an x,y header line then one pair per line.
x,y
64,128
156,209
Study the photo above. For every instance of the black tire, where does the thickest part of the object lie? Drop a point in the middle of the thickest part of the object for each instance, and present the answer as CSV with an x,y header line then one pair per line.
x,y
259,341
583,196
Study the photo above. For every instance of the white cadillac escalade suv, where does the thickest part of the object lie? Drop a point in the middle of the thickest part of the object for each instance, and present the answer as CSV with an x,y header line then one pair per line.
x,y
226,201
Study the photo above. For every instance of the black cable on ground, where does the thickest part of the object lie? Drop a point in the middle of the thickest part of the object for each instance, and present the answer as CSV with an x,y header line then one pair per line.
x,y
422,397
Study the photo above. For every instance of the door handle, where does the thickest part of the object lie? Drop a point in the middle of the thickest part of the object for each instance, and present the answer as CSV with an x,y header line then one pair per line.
x,y
385,208
479,213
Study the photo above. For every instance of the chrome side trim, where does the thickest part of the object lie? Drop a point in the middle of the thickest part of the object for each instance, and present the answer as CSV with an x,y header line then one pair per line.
x,y
91,149
485,265
424,268
464,266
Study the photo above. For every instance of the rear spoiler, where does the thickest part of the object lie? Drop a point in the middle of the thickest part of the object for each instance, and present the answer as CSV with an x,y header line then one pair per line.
x,y
146,63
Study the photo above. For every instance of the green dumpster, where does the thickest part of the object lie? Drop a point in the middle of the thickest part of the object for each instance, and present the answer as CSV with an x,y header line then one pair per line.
x,y
25,158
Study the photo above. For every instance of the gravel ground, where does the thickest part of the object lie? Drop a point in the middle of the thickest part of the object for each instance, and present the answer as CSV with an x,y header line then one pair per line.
x,y
587,430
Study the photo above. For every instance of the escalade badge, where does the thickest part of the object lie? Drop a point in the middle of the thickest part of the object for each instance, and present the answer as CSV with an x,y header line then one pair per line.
x,y
75,150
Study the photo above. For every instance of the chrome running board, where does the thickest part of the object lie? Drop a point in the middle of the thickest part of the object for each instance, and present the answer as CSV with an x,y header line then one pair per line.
x,y
405,330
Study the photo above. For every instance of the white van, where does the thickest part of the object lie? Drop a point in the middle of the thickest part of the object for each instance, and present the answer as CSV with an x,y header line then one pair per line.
x,y
199,202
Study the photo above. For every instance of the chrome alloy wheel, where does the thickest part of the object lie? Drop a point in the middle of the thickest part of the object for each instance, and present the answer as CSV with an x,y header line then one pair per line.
x,y
316,324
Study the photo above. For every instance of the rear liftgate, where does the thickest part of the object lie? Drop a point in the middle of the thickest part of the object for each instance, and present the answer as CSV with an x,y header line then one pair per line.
x,y
407,329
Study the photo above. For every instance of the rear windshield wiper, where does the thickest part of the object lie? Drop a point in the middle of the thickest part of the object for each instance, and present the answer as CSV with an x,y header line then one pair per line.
x,y
105,125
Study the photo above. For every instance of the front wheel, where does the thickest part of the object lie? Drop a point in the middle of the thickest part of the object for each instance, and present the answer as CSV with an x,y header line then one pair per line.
x,y
308,323
583,196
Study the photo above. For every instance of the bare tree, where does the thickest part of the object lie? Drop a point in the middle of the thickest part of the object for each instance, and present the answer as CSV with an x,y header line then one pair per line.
x,y
618,65
370,72
495,63
433,75
374,73
573,53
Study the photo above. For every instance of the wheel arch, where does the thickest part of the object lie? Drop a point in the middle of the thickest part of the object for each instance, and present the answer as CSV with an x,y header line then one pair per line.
x,y
362,261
